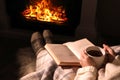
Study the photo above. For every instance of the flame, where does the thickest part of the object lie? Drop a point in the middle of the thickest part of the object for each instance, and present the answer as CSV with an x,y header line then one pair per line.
x,y
45,11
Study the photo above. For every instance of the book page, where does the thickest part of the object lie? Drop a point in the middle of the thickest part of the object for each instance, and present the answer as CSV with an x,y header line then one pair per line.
x,y
62,55
77,46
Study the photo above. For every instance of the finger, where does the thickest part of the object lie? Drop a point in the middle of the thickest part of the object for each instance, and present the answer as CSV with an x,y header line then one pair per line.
x,y
101,72
81,55
109,50
84,54
105,47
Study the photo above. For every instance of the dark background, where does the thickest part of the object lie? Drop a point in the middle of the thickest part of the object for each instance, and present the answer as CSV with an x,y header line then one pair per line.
x,y
15,33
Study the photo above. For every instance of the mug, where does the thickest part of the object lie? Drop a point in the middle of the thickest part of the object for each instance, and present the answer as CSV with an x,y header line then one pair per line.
x,y
97,54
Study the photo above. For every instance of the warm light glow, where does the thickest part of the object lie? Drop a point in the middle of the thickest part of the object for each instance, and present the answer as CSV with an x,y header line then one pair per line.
x,y
44,11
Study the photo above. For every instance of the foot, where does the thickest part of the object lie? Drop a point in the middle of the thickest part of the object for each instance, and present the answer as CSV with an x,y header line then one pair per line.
x,y
47,34
37,42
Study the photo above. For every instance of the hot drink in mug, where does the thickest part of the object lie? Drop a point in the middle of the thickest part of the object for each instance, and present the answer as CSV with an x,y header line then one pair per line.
x,y
97,53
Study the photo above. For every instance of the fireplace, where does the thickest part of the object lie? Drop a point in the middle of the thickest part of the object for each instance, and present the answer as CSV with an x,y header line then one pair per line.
x,y
18,21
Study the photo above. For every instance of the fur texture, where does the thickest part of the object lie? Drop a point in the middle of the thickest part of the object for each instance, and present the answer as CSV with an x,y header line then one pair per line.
x,y
26,60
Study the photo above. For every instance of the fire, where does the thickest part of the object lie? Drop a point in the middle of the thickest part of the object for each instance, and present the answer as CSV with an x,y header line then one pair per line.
x,y
45,11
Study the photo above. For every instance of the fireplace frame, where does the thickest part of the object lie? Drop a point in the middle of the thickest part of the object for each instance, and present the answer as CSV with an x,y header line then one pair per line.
x,y
15,7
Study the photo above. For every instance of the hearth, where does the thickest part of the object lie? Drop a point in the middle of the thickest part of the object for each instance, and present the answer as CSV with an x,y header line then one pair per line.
x,y
18,20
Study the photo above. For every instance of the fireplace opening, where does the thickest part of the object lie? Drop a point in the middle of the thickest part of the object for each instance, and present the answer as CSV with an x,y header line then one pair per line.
x,y
18,21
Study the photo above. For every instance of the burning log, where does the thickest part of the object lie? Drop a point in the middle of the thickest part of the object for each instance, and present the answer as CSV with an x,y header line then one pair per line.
x,y
45,11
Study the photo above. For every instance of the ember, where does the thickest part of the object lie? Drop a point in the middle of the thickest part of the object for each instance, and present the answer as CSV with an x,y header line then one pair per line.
x,y
43,10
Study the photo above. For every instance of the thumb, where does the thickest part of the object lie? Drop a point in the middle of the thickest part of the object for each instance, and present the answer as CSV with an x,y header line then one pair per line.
x,y
101,74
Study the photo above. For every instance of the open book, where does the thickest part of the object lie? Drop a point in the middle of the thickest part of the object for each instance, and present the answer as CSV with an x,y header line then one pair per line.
x,y
68,54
